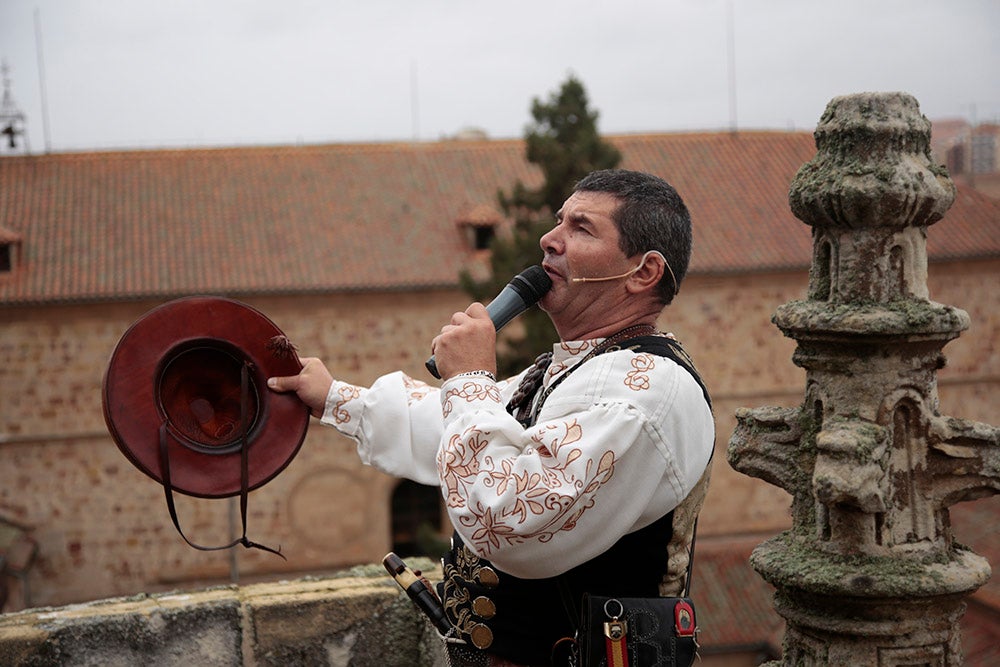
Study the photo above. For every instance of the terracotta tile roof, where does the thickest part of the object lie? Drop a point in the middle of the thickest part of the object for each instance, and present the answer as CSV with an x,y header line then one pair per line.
x,y
733,603
967,522
988,184
737,189
124,225
249,220
981,634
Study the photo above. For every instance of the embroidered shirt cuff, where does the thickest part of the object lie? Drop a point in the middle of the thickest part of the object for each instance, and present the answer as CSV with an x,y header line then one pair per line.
x,y
464,393
343,407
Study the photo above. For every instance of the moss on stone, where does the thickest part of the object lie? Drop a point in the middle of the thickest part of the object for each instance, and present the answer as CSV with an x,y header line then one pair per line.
x,y
900,317
792,561
865,437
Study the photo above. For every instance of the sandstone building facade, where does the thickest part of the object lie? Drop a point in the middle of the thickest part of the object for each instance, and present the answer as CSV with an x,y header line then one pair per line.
x,y
354,251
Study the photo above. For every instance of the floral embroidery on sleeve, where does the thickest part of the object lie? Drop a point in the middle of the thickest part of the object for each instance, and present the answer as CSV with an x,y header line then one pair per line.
x,y
458,464
347,393
558,495
416,390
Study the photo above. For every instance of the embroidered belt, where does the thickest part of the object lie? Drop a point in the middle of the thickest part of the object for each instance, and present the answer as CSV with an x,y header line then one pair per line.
x,y
466,588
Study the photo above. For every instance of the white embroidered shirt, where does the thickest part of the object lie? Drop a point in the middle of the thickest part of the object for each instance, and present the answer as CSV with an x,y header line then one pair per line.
x,y
618,443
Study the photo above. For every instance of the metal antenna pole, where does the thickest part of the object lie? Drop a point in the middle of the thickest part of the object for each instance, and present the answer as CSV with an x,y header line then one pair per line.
x,y
731,43
41,81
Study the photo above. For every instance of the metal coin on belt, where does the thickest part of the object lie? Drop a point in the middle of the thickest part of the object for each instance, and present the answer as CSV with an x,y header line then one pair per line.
x,y
482,636
487,576
484,607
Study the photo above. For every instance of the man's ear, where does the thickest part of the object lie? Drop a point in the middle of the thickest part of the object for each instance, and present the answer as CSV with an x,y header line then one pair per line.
x,y
651,267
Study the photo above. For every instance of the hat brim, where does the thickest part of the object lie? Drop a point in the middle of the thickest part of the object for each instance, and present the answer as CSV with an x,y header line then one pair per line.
x,y
176,367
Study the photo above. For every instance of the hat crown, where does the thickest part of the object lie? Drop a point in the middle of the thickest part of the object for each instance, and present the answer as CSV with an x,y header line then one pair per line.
x,y
200,393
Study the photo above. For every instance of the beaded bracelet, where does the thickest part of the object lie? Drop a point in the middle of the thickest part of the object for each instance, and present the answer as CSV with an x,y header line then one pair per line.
x,y
483,373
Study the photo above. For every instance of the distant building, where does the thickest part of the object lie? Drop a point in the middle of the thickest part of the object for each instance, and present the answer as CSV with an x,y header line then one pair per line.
x,y
971,153
354,251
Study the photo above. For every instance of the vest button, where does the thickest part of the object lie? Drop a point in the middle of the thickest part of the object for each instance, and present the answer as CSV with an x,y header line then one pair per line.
x,y
482,636
484,607
487,576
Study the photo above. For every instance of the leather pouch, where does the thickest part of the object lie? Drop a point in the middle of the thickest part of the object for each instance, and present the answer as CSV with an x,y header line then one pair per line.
x,y
637,632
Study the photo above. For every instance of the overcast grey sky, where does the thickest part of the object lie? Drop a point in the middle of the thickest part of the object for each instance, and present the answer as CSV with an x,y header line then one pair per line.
x,y
152,73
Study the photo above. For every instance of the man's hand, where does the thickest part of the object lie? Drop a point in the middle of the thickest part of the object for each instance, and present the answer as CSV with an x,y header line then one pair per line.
x,y
312,384
467,344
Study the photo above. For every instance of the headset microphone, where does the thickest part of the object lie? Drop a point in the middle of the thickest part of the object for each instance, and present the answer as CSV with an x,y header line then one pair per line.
x,y
630,272
598,280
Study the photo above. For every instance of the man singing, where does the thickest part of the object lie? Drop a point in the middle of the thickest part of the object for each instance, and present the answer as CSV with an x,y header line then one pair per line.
x,y
585,472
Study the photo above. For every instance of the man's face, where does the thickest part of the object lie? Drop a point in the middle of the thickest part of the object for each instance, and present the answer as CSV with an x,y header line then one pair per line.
x,y
583,244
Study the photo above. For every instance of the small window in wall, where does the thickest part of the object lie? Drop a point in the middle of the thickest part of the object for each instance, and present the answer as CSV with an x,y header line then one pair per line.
x,y
416,520
482,236
479,224
6,264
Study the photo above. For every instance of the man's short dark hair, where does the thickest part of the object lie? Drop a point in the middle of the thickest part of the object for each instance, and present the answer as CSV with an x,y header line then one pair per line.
x,y
651,216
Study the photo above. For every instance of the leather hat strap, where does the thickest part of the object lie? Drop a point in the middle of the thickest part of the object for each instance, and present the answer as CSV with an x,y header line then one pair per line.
x,y
168,488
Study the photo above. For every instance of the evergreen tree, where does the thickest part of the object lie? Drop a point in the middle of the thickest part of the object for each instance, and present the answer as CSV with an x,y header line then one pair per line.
x,y
563,142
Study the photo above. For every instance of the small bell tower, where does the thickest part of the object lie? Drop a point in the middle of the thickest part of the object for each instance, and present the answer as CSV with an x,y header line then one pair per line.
x,y
13,137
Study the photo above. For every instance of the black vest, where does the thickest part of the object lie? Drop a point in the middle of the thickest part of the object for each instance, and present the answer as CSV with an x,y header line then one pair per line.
x,y
521,619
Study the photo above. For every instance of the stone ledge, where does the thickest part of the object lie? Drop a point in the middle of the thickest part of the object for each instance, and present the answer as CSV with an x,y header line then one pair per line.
x,y
338,620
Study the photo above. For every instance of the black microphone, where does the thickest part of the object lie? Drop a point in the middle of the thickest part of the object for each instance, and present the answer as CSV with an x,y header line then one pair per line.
x,y
521,293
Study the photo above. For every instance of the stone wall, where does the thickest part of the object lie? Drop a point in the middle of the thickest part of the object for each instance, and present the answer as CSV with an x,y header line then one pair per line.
x,y
102,526
360,620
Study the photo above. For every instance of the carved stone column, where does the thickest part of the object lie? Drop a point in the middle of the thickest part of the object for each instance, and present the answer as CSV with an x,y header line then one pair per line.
x,y
869,574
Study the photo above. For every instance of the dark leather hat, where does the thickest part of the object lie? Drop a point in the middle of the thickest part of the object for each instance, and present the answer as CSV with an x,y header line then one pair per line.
x,y
186,388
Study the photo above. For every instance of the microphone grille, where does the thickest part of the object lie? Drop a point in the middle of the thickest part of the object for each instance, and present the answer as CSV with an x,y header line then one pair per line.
x,y
532,284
